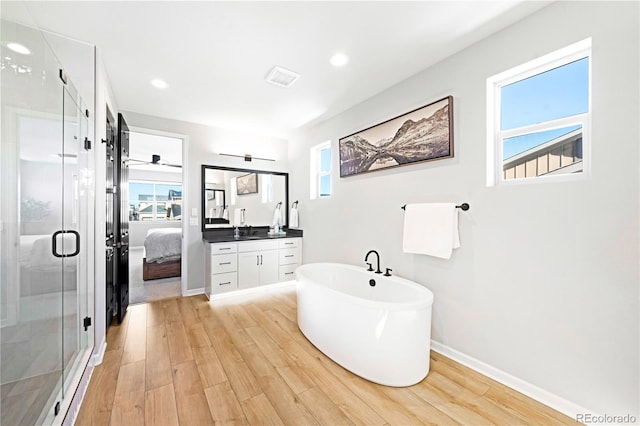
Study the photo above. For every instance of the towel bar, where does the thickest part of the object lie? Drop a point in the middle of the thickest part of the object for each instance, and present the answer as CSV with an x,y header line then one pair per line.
x,y
463,207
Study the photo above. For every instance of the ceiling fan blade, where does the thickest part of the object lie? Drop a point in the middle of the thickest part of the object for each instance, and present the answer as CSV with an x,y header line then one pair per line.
x,y
155,161
139,161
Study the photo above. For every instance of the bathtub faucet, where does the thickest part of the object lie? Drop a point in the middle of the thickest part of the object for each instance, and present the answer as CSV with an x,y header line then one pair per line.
x,y
378,271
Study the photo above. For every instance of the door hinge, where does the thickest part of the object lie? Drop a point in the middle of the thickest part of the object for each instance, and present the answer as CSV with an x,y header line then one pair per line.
x,y
87,144
63,76
56,410
86,322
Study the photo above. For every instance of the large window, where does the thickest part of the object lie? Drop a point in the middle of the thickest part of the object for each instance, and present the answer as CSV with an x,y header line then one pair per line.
x,y
155,201
320,169
538,118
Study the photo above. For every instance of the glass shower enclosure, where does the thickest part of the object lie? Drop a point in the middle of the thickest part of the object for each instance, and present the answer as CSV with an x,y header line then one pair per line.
x,y
46,214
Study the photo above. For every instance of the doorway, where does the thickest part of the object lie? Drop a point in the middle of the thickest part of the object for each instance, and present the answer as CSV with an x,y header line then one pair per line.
x,y
155,215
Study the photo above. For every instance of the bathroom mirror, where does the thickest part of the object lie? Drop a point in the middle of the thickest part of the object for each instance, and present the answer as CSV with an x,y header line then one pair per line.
x,y
215,208
243,197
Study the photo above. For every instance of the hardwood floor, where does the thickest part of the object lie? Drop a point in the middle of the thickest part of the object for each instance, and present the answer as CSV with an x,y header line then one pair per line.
x,y
243,361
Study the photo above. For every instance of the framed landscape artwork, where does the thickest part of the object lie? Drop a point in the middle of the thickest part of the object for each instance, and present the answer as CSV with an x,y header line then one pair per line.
x,y
247,184
423,134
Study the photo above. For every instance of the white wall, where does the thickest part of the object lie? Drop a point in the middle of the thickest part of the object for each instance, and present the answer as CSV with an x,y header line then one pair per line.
x,y
202,146
103,99
545,285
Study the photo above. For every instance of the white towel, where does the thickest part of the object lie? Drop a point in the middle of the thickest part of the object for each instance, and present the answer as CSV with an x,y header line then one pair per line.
x,y
293,218
277,217
225,213
431,229
237,217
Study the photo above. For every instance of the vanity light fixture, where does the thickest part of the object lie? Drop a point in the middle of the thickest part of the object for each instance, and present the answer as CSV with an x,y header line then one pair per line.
x,y
19,48
247,157
159,83
339,60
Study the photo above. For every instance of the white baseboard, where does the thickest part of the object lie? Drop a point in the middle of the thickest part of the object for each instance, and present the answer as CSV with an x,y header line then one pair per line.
x,y
193,292
98,354
549,399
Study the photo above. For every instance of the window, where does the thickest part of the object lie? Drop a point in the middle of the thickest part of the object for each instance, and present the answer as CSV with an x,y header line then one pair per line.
x,y
320,170
538,118
154,201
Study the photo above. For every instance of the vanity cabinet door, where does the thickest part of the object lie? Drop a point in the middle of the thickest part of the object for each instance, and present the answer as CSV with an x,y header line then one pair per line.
x,y
248,269
257,268
269,267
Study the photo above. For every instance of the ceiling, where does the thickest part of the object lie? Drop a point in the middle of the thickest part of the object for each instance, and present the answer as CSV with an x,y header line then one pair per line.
x,y
215,55
143,145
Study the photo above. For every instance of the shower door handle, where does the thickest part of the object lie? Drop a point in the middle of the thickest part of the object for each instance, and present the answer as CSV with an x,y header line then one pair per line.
x,y
54,243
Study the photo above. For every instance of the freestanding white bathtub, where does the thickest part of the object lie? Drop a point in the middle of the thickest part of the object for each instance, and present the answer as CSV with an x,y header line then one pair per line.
x,y
381,333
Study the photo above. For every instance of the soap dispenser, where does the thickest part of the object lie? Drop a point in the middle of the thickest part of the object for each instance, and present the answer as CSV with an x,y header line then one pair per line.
x,y
236,233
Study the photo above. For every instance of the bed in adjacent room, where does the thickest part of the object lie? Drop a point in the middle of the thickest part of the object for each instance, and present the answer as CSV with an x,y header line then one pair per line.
x,y
163,253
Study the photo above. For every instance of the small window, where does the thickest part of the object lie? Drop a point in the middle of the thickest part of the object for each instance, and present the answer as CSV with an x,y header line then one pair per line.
x,y
320,169
154,201
538,118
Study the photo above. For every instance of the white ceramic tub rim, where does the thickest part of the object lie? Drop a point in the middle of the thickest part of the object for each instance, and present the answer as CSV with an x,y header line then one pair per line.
x,y
377,304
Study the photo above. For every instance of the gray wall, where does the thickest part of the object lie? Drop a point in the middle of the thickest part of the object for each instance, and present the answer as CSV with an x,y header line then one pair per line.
x,y
202,144
545,285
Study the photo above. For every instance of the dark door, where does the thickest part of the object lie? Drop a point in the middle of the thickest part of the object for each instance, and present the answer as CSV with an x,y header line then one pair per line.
x,y
122,218
110,235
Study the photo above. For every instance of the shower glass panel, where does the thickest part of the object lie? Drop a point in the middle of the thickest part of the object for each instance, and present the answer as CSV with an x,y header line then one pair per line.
x,y
74,265
43,287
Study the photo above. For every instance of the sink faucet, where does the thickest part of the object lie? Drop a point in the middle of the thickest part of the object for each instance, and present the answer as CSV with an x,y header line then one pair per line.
x,y
378,271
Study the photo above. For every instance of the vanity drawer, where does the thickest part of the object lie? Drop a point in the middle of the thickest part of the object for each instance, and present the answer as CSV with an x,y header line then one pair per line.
x,y
289,256
221,283
223,263
224,248
287,272
289,243
247,246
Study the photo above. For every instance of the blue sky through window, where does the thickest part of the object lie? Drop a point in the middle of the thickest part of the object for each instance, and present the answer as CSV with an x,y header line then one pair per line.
x,y
557,93
325,160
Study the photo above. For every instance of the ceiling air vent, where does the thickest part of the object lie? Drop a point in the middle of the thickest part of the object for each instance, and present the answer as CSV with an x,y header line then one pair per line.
x,y
281,77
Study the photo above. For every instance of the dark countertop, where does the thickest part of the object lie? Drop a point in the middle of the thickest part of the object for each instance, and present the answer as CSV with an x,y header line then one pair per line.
x,y
226,235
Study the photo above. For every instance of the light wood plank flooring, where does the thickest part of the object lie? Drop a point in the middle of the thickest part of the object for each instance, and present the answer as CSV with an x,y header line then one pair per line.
x,y
243,361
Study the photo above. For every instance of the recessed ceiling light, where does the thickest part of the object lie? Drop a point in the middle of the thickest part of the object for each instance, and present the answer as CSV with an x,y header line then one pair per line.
x,y
339,60
19,48
159,84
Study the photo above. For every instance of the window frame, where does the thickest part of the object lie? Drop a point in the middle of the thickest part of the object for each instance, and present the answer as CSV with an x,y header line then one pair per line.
x,y
155,199
317,173
496,137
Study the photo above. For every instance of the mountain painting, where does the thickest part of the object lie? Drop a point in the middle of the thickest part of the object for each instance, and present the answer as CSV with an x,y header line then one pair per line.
x,y
420,135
